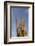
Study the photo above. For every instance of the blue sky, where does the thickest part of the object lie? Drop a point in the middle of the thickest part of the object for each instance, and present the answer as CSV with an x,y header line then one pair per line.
x,y
18,12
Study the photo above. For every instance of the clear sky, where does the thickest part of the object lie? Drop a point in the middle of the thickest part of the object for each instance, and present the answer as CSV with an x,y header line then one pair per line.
x,y
18,12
